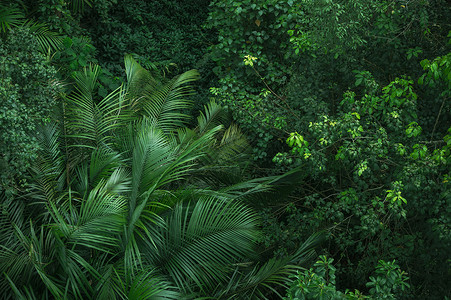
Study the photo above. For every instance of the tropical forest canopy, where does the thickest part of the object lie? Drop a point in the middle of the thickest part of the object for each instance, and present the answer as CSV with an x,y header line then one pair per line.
x,y
249,149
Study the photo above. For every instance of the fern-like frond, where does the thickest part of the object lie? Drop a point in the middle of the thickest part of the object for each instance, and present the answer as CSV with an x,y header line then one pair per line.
x,y
213,116
89,122
79,6
257,282
139,81
48,40
156,162
10,17
30,255
260,281
199,243
96,223
150,285
163,101
150,156
166,103
103,164
49,169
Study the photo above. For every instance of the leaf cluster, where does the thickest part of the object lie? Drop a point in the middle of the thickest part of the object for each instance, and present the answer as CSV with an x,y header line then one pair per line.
x,y
128,202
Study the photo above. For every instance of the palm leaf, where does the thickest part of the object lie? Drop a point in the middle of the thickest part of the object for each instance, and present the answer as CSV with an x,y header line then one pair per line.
x,y
149,285
105,288
9,17
91,123
257,282
253,191
76,273
49,181
96,223
156,162
165,105
232,144
266,280
47,39
78,6
139,80
213,116
151,154
30,255
103,165
162,102
200,243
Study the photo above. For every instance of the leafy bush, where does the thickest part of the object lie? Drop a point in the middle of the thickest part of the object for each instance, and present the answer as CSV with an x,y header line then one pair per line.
x,y
27,91
375,160
167,31
300,69
319,283
387,185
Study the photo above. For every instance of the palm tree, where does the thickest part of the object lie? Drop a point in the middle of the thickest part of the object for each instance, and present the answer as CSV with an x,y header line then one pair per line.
x,y
129,203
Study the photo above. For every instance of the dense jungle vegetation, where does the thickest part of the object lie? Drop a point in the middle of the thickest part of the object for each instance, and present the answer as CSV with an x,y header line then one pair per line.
x,y
245,149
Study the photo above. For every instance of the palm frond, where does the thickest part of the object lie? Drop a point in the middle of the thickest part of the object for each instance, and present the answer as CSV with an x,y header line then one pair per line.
x,y
139,81
155,163
97,222
307,250
252,190
76,273
165,104
257,282
160,100
90,122
199,243
105,288
14,263
30,255
10,17
151,155
228,155
49,169
78,6
104,162
213,116
233,142
268,279
272,187
47,39
189,154
149,285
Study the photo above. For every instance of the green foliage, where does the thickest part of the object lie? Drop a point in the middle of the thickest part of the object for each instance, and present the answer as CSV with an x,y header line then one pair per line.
x,y
169,33
251,38
321,93
28,89
127,202
299,68
158,31
377,170
60,16
319,283
389,282
75,54
9,17
338,26
374,163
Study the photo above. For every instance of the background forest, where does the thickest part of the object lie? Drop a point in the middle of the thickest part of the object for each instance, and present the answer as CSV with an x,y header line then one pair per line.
x,y
247,149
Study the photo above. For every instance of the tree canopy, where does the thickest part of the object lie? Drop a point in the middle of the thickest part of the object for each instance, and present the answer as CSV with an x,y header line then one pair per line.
x,y
251,149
